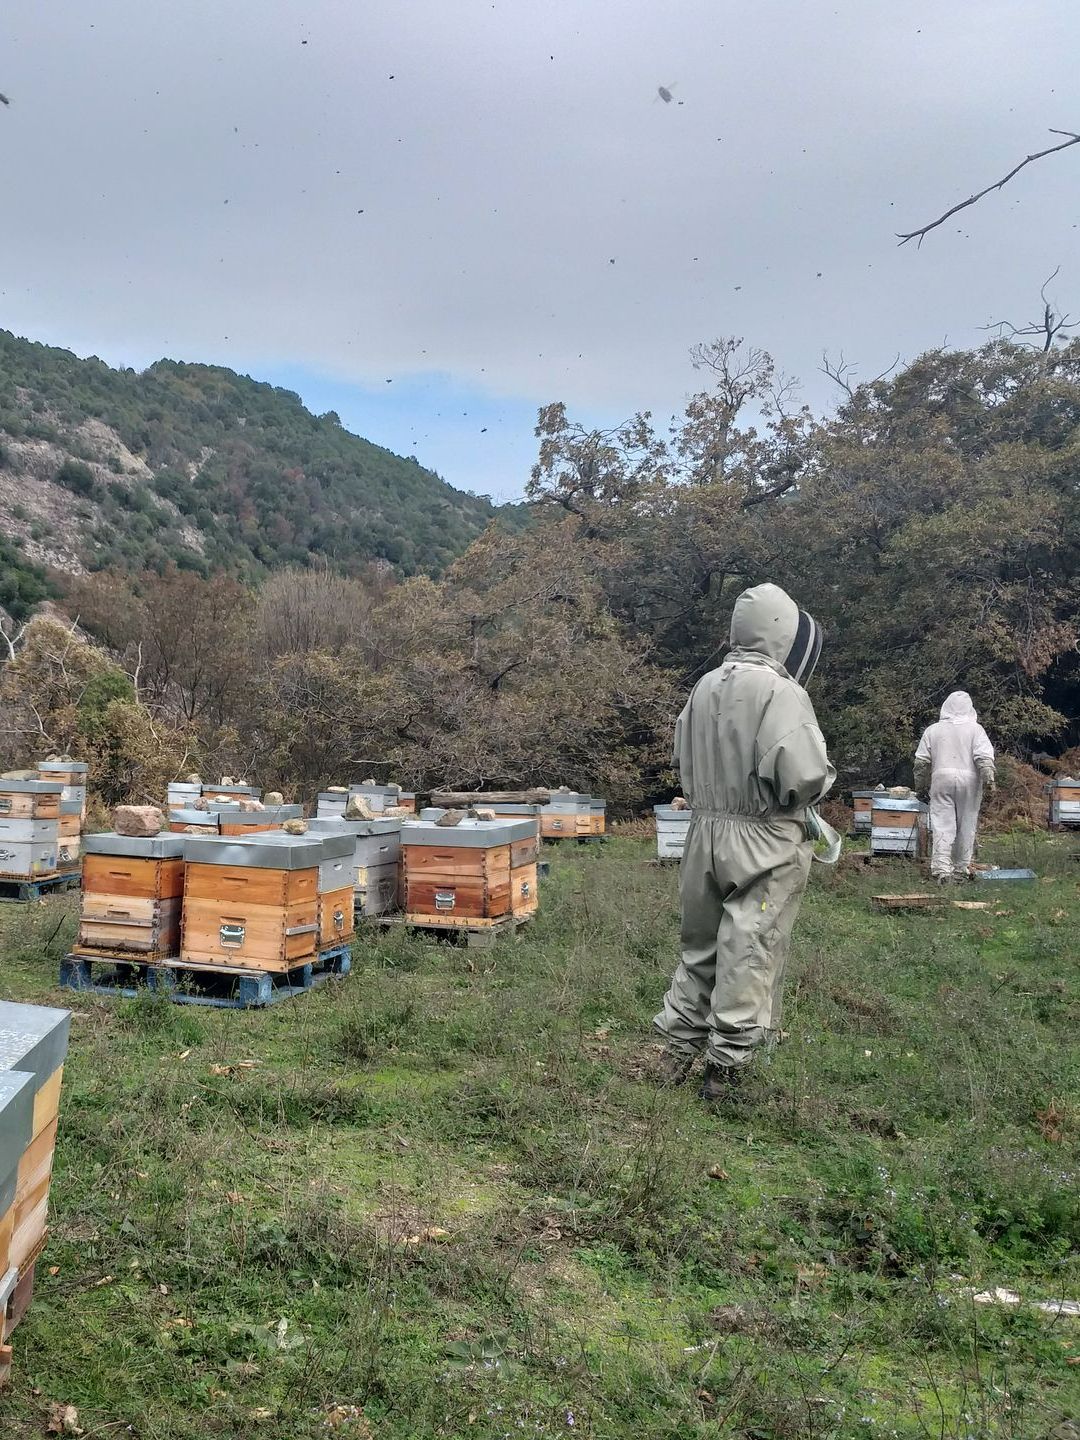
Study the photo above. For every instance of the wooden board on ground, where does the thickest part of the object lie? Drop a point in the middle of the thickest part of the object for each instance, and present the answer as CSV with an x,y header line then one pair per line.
x,y
905,902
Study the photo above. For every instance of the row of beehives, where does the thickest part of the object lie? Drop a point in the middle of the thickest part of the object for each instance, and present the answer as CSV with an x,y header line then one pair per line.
x,y
896,825
41,820
270,901
33,1044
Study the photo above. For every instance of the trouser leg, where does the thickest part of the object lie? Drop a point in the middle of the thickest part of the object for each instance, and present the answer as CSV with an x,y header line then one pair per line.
x,y
751,958
684,1020
968,803
943,824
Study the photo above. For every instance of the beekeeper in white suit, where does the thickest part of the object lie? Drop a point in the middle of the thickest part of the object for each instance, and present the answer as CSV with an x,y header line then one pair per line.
x,y
955,760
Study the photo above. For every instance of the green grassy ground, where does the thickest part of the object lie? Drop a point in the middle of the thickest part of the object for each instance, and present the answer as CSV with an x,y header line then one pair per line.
x,y
448,1193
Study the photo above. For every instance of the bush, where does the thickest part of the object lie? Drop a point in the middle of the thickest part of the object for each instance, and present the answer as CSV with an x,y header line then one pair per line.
x,y
77,477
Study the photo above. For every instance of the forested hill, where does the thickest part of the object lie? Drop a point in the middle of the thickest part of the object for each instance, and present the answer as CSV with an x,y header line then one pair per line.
x,y
201,466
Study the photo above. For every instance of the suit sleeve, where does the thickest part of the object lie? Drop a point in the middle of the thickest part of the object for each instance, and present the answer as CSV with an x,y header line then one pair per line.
x,y
797,767
981,748
922,754
677,757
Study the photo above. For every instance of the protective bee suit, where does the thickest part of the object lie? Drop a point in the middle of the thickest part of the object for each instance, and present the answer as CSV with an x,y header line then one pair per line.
x,y
751,759
956,758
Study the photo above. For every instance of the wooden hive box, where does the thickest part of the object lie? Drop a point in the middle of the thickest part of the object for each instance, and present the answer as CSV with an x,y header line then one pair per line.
x,y
597,817
899,827
465,873
72,775
672,828
183,821
862,804
232,821
29,847
132,896
385,797
375,860
565,816
250,904
231,792
33,1041
1065,802
334,886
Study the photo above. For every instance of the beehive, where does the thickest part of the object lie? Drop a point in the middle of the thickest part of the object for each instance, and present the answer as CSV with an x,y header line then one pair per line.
x,y
336,889
476,871
862,804
69,837
672,828
29,828
16,1132
566,816
1065,802
182,794
182,821
232,792
375,860
233,821
250,904
899,827
597,817
72,775
33,1041
132,896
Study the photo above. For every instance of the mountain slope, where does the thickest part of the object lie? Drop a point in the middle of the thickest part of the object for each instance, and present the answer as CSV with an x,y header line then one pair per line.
x,y
199,465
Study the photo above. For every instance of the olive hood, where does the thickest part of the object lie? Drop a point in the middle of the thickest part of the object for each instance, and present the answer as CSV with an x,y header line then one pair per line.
x,y
767,621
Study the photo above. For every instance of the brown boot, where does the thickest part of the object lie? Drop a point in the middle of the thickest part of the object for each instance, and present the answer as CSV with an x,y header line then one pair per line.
x,y
724,1085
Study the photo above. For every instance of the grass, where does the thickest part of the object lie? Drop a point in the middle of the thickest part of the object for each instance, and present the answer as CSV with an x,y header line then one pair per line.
x,y
447,1200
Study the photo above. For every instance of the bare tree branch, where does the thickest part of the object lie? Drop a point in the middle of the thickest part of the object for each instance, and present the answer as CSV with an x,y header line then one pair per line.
x,y
11,640
843,372
1043,330
924,230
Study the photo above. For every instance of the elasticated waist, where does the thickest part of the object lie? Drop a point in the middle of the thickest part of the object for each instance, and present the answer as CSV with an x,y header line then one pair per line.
x,y
746,818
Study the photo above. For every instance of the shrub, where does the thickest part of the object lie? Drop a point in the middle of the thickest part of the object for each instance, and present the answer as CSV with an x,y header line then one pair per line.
x,y
77,477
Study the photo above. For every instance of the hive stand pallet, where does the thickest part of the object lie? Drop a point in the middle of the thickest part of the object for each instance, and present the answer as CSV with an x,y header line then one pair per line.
x,y
477,934
220,986
38,888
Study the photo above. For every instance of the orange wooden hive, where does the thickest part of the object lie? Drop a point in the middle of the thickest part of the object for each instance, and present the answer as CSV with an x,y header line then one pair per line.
x,y
33,1043
250,904
476,873
132,894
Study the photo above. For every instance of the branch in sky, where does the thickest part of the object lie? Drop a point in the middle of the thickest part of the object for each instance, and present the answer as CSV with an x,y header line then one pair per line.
x,y
924,230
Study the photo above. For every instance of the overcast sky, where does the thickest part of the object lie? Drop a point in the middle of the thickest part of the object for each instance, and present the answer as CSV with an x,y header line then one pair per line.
x,y
334,194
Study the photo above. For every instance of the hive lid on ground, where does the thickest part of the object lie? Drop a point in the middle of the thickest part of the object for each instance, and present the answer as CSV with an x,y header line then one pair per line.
x,y
63,767
469,834
265,850
31,787
892,802
33,1039
16,1128
672,812
329,825
165,846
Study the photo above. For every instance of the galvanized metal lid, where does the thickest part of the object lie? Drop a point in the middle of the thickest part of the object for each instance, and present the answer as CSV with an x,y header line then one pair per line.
x,y
62,767
469,834
598,807
892,802
558,796
330,825
71,807
373,789
335,844
670,812
266,850
144,847
231,791
866,794
506,807
16,1129
563,806
207,818
33,1039
31,787
272,815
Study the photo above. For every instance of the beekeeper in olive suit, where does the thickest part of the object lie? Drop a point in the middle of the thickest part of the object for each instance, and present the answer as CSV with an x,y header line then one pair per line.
x,y
751,759
955,760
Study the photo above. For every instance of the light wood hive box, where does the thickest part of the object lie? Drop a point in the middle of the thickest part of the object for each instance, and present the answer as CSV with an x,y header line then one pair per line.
x,y
478,871
33,1042
30,799
250,904
132,895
